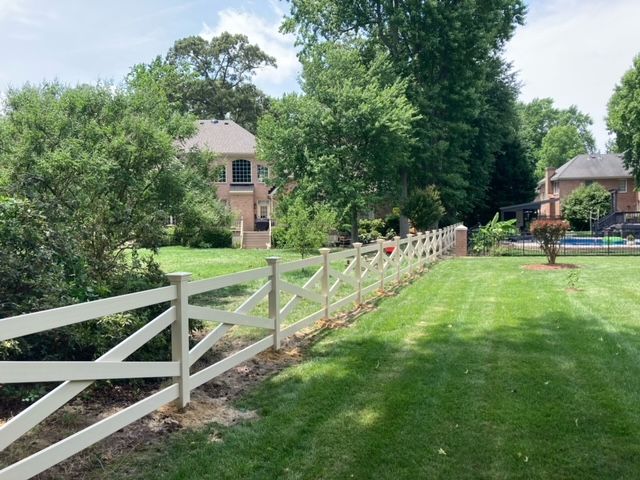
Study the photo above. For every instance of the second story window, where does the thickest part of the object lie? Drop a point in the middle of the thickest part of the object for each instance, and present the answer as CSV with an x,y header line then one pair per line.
x,y
241,171
221,174
263,173
556,188
622,185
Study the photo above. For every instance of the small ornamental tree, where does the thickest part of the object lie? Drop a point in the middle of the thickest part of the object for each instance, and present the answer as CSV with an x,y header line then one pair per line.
x,y
424,208
548,233
305,228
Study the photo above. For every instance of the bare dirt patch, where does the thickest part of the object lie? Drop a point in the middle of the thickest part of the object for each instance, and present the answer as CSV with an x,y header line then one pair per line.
x,y
211,403
546,266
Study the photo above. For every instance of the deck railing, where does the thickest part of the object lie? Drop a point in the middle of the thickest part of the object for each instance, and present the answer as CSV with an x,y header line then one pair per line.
x,y
329,287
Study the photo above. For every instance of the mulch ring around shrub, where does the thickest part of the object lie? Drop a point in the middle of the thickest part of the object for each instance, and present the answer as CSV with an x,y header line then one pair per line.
x,y
546,266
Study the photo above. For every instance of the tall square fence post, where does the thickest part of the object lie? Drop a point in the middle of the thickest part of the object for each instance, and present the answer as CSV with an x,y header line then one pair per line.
x,y
180,335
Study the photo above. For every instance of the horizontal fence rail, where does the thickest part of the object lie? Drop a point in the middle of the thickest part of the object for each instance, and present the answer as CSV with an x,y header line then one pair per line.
x,y
337,281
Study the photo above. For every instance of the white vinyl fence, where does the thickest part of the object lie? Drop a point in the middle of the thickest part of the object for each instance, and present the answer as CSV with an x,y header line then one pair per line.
x,y
329,287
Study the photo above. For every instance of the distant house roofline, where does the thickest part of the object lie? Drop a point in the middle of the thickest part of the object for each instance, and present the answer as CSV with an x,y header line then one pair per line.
x,y
592,166
223,137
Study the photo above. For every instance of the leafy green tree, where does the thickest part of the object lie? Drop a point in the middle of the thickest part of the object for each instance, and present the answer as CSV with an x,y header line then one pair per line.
x,y
540,115
450,55
586,203
624,117
103,161
559,145
305,228
210,78
512,181
346,139
487,239
424,208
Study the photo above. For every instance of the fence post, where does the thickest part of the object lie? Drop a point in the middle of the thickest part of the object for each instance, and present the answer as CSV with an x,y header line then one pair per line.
x,y
180,335
381,262
274,299
461,241
325,280
398,257
358,272
410,252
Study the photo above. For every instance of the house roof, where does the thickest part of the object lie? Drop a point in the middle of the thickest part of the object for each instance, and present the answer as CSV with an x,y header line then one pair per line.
x,y
222,136
594,165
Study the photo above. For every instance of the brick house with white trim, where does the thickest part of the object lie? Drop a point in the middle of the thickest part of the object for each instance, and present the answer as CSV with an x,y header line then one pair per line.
x,y
241,178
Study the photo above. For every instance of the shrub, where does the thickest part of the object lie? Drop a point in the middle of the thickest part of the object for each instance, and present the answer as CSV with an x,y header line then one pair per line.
x,y
488,238
585,203
371,230
548,233
424,208
305,228
392,221
204,224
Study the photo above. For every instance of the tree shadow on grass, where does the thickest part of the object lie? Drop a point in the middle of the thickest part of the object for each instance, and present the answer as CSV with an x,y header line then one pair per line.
x,y
551,396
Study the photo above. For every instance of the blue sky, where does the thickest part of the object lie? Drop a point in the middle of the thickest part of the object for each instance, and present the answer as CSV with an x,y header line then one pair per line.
x,y
571,50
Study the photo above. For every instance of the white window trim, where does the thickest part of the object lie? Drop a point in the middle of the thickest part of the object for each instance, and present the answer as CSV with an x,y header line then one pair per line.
x,y
626,185
236,162
261,179
264,203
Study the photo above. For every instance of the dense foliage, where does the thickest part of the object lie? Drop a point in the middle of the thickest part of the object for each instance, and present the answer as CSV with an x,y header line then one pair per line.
x,y
624,117
90,174
424,208
586,204
345,141
304,228
548,234
211,78
559,145
551,136
450,56
487,239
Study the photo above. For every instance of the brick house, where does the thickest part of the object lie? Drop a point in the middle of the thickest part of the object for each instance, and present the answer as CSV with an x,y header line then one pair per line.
x,y
241,178
605,169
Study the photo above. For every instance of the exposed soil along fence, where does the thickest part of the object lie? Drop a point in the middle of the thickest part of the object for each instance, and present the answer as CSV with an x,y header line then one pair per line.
x,y
270,307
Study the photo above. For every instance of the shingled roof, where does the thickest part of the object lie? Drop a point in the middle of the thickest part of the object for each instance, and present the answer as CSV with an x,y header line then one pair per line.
x,y
594,165
223,137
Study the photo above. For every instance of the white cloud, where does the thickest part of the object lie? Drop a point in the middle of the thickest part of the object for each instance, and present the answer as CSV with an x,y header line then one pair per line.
x,y
265,34
575,52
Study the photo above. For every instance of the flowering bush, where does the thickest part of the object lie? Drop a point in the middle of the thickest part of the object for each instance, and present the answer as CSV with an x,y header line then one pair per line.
x,y
548,233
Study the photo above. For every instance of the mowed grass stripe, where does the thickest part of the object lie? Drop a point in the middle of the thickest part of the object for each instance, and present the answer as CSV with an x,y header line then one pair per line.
x,y
480,369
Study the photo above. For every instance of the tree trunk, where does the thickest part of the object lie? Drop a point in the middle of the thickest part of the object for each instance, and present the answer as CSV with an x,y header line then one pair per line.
x,y
404,221
354,225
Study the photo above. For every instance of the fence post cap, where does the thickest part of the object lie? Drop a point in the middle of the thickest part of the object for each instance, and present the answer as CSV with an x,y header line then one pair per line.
x,y
324,251
461,228
397,237
179,277
272,260
380,240
357,244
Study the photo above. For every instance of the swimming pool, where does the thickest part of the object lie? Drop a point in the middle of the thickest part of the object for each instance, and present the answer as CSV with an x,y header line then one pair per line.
x,y
593,241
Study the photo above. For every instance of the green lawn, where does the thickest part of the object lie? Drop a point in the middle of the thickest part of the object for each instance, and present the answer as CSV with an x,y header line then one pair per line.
x,y
480,369
205,263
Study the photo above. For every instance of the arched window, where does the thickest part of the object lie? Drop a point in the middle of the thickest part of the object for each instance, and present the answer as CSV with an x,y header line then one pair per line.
x,y
241,171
